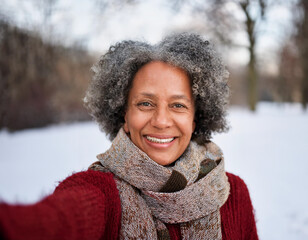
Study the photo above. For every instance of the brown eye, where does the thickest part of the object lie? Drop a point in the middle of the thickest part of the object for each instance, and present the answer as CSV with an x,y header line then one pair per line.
x,y
179,105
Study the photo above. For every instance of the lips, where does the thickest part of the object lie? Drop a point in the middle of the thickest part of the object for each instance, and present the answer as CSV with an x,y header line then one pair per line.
x,y
159,140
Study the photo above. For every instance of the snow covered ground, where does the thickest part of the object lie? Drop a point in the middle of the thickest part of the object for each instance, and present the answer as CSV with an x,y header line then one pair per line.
x,y
268,149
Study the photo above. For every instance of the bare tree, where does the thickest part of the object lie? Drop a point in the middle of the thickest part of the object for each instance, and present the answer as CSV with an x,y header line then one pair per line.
x,y
223,22
294,58
303,47
46,8
252,37
288,84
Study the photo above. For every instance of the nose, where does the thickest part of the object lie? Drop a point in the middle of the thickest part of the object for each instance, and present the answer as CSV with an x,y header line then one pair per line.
x,y
161,118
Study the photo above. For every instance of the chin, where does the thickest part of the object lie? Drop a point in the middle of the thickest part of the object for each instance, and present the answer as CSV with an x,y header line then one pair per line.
x,y
163,161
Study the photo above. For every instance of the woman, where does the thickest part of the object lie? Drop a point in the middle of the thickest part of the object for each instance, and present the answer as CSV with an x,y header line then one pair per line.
x,y
162,178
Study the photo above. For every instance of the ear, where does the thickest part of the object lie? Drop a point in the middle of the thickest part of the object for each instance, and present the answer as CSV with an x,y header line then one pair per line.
x,y
125,126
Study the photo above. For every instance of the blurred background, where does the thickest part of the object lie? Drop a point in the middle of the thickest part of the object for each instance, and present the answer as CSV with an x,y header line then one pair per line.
x,y
47,48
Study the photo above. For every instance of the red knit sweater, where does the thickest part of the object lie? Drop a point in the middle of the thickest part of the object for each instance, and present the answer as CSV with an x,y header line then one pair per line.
x,y
86,205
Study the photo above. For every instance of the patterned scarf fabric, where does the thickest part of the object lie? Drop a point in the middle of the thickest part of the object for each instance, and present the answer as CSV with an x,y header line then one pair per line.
x,y
187,193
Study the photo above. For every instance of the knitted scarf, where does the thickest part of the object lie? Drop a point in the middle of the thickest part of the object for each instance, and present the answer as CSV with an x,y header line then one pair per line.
x,y
189,193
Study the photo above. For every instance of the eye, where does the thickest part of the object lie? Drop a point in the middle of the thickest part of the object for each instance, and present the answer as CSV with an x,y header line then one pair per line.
x,y
144,104
178,105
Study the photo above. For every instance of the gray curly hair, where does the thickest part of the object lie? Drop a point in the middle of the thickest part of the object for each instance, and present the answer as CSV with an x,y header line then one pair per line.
x,y
106,97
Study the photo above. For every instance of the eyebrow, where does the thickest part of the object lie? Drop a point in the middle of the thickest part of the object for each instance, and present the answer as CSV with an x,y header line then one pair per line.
x,y
176,96
181,97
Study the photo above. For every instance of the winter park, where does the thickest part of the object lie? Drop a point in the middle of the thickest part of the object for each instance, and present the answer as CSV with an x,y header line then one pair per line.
x,y
47,134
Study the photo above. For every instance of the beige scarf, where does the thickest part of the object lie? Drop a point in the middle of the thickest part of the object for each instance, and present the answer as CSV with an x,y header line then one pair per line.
x,y
152,195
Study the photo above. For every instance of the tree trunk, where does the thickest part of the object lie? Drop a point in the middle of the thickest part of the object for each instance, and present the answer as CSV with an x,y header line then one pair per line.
x,y
304,53
252,72
252,80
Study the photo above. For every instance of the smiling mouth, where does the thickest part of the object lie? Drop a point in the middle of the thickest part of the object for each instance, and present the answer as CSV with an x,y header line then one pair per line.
x,y
159,140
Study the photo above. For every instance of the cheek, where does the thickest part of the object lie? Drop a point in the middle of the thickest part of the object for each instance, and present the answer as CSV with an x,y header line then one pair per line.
x,y
134,121
188,125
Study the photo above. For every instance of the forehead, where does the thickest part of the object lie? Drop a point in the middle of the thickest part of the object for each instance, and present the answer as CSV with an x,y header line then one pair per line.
x,y
163,78
160,67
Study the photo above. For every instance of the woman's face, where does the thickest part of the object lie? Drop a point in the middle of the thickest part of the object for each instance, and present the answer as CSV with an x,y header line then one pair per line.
x,y
160,112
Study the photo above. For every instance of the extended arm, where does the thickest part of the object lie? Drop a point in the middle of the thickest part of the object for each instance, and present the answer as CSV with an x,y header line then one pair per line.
x,y
86,205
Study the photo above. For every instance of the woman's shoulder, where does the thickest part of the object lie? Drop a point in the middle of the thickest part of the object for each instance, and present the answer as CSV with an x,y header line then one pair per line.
x,y
238,190
237,184
237,214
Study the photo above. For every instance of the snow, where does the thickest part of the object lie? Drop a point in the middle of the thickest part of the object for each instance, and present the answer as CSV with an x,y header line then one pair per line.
x,y
268,149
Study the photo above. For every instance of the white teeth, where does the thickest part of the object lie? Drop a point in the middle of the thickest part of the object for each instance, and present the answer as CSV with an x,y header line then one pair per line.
x,y
159,140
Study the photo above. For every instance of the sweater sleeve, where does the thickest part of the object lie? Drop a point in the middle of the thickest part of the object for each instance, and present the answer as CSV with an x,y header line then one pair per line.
x,y
237,214
86,205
